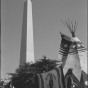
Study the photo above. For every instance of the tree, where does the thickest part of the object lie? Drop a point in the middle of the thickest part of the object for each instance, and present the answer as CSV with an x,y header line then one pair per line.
x,y
25,75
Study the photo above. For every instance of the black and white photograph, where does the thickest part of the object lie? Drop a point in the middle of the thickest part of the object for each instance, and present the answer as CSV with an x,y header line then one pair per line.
x,y
43,44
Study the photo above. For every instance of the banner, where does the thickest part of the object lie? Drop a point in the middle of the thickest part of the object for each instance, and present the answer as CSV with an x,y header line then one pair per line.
x,y
52,79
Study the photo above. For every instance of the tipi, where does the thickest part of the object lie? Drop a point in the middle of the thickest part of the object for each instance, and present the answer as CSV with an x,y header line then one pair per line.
x,y
69,56
81,50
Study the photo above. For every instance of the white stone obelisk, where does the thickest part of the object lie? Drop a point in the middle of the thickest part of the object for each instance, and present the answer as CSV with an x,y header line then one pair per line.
x,y
27,41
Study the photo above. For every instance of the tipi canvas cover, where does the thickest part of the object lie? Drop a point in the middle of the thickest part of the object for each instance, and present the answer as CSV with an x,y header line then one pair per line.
x,y
82,52
72,61
66,42
69,56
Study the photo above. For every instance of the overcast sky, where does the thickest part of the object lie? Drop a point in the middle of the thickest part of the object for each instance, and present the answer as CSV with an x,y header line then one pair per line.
x,y
46,27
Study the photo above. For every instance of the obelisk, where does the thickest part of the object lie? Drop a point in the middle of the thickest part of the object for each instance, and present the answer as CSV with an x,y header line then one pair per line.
x,y
27,41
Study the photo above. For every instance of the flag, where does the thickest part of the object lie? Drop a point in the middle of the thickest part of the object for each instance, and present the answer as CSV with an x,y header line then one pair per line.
x,y
71,81
52,79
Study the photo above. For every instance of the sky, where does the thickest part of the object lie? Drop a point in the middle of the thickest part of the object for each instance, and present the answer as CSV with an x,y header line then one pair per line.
x,y
46,27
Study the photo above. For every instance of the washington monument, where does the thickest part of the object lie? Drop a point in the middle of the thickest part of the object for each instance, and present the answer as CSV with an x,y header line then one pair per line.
x,y
27,41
